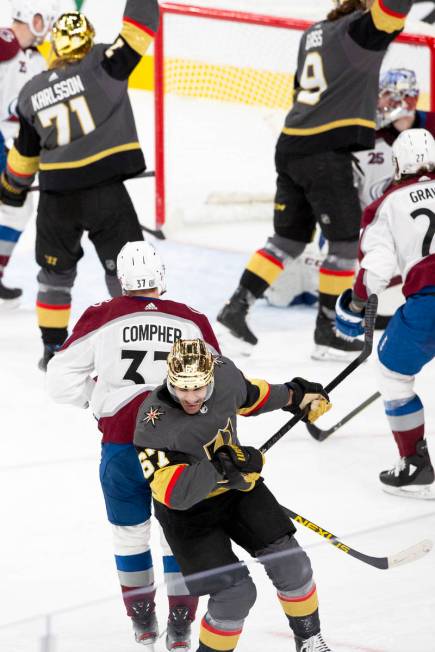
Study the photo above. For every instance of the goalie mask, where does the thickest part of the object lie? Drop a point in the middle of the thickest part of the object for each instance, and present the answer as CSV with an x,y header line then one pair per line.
x,y
398,96
139,267
190,366
413,151
25,11
72,36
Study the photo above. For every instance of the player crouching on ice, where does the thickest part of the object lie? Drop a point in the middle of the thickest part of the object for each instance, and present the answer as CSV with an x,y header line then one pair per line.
x,y
208,492
398,230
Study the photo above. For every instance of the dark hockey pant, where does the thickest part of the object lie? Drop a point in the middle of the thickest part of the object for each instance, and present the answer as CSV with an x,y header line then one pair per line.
x,y
108,215
200,539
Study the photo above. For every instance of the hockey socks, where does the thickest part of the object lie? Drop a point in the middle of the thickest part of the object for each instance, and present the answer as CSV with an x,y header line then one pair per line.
x,y
214,636
406,419
301,611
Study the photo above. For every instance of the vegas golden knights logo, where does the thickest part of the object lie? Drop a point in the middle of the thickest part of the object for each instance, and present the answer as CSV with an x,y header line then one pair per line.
x,y
223,437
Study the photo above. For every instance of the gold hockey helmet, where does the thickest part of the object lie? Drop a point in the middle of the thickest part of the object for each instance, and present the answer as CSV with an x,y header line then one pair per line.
x,y
190,364
72,36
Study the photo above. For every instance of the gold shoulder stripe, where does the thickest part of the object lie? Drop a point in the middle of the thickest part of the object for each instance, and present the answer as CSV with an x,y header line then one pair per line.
x,y
22,165
386,20
347,122
137,39
68,165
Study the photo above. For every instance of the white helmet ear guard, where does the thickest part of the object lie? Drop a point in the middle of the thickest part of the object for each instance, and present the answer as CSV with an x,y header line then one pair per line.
x,y
139,267
25,11
413,150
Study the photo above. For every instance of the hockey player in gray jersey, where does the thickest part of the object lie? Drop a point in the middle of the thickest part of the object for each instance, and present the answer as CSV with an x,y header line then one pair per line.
x,y
208,492
333,114
77,129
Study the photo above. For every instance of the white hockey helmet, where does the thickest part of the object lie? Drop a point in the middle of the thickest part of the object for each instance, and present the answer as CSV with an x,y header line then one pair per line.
x,y
26,10
413,149
139,267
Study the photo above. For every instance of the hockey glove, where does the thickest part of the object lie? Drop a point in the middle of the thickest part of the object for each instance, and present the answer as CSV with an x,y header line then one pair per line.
x,y
348,323
239,465
10,195
306,393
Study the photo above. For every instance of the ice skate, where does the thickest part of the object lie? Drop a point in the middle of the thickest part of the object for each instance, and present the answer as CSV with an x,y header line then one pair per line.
x,y
412,477
313,644
9,297
48,353
145,626
329,346
233,315
178,630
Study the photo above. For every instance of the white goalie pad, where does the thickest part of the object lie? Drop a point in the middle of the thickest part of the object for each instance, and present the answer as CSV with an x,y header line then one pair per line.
x,y
299,282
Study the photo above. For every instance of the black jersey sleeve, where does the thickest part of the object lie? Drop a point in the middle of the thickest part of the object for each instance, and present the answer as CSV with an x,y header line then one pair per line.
x,y
23,158
176,481
377,28
140,23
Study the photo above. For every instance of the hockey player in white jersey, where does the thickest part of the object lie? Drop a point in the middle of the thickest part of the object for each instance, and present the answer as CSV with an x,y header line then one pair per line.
x,y
398,230
19,62
116,354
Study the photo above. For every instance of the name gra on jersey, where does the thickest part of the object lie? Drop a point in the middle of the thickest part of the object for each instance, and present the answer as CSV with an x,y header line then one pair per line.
x,y
422,194
150,332
57,92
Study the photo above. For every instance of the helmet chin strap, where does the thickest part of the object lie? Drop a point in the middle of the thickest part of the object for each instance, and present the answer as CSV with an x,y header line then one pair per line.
x,y
171,390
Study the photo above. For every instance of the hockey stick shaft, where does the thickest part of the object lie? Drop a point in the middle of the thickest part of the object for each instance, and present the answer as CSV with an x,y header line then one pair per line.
x,y
383,563
369,327
321,435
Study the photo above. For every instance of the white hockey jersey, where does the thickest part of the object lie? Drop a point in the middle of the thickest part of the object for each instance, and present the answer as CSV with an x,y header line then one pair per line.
x,y
118,350
17,67
398,232
373,171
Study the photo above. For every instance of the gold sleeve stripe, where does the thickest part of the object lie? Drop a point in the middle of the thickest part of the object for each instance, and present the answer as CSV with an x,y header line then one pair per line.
x,y
164,482
136,36
218,639
68,165
348,122
22,166
264,388
303,606
335,281
264,266
53,316
385,19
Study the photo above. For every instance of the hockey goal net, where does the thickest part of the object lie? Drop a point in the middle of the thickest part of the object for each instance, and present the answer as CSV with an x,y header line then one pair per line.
x,y
223,84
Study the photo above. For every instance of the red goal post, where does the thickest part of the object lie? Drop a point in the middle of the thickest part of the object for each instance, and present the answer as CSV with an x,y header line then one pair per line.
x,y
162,73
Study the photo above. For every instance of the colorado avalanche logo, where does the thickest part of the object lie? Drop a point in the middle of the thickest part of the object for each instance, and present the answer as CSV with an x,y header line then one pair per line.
x,y
378,188
12,109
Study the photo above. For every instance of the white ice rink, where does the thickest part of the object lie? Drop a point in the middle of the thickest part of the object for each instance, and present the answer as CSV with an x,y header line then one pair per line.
x,y
56,565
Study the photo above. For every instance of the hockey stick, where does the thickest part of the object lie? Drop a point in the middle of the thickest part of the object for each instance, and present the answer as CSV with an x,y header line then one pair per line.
x,y
369,326
321,435
406,556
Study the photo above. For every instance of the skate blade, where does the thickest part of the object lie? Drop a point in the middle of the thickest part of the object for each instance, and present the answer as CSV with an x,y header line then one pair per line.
x,y
9,304
329,354
417,492
232,346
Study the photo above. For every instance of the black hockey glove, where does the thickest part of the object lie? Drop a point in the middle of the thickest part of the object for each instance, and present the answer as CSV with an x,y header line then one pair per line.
x,y
306,393
239,465
10,195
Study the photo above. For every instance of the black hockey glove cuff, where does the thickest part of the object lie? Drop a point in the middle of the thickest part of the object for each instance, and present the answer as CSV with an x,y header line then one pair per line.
x,y
239,465
10,195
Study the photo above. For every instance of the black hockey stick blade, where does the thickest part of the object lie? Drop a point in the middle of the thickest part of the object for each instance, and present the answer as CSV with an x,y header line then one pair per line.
x,y
417,551
369,327
320,435
157,233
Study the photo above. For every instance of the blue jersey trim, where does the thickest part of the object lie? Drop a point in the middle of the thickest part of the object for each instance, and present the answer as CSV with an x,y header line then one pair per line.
x,y
134,563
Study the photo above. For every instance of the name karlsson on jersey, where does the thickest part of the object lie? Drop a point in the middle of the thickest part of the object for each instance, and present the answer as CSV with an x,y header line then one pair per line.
x,y
58,92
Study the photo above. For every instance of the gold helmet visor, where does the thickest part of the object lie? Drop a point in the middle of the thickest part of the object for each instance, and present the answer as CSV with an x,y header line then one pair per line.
x,y
72,36
190,364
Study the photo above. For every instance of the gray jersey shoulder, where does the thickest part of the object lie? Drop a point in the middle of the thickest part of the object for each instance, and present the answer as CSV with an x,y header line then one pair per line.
x,y
161,424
